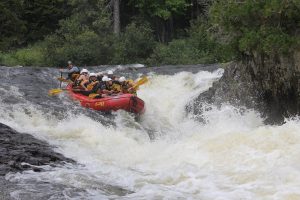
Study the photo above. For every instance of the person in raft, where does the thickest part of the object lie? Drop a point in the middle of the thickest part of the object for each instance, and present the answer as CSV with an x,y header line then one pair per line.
x,y
82,80
110,74
97,89
106,86
127,85
92,87
72,71
97,85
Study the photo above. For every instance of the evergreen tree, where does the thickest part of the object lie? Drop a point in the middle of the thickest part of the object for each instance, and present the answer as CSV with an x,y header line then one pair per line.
x,y
259,27
42,16
26,21
161,14
12,27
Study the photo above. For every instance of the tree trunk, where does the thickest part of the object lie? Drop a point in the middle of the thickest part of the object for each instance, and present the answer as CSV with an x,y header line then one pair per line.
x,y
163,32
171,29
117,17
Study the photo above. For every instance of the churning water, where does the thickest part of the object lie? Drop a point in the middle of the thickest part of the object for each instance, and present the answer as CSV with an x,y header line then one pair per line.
x,y
232,156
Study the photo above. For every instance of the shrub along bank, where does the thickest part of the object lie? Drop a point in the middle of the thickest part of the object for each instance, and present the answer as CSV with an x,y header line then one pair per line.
x,y
173,32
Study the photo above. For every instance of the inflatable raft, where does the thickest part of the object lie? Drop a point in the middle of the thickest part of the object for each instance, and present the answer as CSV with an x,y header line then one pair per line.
x,y
127,102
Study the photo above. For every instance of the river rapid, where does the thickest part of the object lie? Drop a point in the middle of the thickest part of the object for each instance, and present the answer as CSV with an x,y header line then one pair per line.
x,y
164,154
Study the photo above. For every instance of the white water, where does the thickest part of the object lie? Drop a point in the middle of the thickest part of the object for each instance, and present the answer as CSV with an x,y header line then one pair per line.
x,y
233,156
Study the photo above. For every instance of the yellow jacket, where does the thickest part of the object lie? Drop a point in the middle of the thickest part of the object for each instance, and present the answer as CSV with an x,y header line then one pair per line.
x,y
116,88
91,85
128,84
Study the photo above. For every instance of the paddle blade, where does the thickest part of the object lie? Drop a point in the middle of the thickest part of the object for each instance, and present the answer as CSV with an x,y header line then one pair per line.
x,y
64,80
54,91
93,95
140,82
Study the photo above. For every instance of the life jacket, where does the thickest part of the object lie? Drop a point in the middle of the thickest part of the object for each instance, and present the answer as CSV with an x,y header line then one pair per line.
x,y
102,85
74,75
116,87
108,87
91,85
77,82
128,84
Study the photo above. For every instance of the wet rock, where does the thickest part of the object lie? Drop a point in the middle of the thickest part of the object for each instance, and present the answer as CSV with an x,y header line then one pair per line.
x,y
269,85
5,188
20,151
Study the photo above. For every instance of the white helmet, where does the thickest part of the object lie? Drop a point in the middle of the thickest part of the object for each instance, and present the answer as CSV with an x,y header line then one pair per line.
x,y
105,78
99,73
93,74
110,72
122,79
69,62
84,71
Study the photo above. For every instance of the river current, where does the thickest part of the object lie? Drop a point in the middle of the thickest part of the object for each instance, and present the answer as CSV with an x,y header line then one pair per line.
x,y
164,154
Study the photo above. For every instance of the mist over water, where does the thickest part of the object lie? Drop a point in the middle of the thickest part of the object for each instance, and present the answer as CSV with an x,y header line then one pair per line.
x,y
166,154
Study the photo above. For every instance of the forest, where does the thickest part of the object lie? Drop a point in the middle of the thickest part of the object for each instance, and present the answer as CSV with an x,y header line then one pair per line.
x,y
156,32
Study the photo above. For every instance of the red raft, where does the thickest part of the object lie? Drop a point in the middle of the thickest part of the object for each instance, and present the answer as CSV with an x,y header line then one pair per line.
x,y
127,102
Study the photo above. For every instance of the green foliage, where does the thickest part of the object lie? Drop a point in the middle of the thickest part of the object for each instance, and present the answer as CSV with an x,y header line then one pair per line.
x,y
199,47
265,27
92,14
266,40
23,22
42,17
84,37
30,56
161,9
203,37
12,27
134,45
86,48
176,52
156,32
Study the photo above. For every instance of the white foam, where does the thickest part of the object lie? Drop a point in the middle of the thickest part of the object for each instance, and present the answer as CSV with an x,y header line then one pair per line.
x,y
232,156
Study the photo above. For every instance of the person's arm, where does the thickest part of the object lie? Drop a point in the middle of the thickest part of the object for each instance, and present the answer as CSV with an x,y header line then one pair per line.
x,y
103,88
93,87
73,69
106,91
64,71
130,84
116,88
82,84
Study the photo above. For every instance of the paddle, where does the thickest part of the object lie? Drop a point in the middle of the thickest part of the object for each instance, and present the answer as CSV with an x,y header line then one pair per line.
x,y
64,80
94,95
58,90
140,82
55,91
60,80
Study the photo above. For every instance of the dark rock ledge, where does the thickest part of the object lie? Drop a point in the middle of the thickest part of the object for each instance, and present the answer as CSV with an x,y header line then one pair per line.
x,y
269,85
20,151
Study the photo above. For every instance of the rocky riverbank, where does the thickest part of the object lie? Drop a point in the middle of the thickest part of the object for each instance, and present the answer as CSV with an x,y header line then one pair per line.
x,y
20,151
269,85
